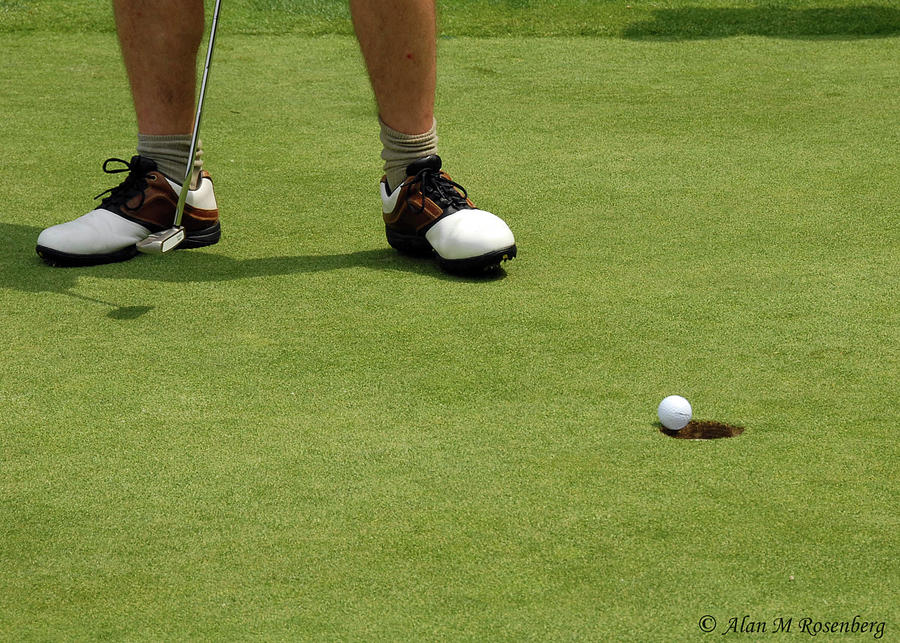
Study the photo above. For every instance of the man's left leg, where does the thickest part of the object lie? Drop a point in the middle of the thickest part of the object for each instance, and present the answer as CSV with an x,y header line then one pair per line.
x,y
424,210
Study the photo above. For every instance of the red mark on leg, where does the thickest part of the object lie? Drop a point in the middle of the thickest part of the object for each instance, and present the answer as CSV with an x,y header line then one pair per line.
x,y
409,56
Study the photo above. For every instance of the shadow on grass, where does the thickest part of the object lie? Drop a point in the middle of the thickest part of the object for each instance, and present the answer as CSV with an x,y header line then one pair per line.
x,y
22,270
694,23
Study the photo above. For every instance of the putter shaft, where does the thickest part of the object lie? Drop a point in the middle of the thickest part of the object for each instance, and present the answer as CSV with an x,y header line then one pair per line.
x,y
166,240
188,175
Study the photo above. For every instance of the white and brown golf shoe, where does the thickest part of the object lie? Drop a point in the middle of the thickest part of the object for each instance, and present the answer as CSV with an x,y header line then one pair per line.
x,y
430,214
142,204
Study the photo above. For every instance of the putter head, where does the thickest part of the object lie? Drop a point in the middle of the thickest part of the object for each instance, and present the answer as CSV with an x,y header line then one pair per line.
x,y
160,242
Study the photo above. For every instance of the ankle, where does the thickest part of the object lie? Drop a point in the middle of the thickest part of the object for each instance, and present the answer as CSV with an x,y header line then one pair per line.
x,y
172,155
399,150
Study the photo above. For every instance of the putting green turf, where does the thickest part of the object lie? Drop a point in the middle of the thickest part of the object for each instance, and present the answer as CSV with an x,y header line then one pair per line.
x,y
667,19
298,433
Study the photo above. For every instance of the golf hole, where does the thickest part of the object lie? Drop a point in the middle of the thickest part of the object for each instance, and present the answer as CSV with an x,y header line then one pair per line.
x,y
704,430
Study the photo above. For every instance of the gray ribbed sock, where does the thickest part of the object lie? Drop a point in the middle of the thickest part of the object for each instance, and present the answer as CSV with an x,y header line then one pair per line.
x,y
399,150
171,154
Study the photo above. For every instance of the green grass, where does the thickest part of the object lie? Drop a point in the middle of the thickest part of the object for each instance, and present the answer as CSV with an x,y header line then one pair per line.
x,y
488,18
298,433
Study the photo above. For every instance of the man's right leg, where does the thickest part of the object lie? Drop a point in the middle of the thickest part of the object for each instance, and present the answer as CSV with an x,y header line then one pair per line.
x,y
159,42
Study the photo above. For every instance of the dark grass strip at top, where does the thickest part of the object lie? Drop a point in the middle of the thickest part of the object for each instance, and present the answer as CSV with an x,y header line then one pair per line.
x,y
780,22
672,20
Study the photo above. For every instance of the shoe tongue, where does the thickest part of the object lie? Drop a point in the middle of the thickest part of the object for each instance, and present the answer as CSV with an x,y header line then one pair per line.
x,y
143,164
432,162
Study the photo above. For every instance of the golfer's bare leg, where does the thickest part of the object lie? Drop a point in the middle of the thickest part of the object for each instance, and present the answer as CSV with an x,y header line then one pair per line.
x,y
159,41
398,42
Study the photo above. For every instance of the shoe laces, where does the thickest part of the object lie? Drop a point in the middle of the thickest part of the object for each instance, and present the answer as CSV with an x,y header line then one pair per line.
x,y
134,184
438,187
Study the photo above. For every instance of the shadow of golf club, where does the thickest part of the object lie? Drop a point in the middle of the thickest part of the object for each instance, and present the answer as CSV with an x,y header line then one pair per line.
x,y
117,312
21,270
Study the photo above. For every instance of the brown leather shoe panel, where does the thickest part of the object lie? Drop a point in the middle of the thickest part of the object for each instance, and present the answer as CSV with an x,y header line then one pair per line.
x,y
196,219
160,201
409,217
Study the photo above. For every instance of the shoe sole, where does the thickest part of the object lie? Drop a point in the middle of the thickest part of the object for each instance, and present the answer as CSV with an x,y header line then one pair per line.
x,y
476,265
417,246
197,239
202,238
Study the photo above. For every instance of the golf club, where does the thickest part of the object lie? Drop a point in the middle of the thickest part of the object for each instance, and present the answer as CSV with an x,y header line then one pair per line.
x,y
165,240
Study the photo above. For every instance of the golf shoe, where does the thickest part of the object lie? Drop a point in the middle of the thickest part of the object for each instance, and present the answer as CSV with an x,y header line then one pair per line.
x,y
143,203
429,213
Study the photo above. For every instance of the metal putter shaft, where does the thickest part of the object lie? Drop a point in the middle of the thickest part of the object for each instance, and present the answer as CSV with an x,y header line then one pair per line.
x,y
165,240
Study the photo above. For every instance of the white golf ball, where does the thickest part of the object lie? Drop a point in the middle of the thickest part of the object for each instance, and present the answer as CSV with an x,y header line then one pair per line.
x,y
674,412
